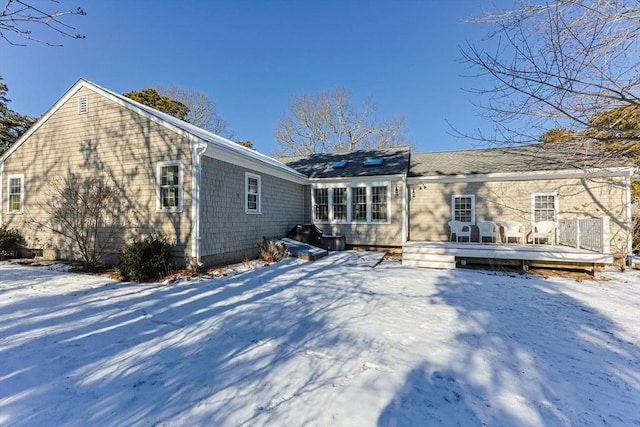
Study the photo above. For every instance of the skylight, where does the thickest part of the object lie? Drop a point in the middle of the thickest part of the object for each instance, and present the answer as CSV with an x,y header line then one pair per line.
x,y
376,161
339,164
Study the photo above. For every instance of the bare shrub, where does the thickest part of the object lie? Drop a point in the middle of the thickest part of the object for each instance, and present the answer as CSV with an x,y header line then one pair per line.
x,y
271,251
87,211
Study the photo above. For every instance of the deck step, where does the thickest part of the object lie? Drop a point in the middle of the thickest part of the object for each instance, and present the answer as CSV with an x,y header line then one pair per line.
x,y
418,259
430,264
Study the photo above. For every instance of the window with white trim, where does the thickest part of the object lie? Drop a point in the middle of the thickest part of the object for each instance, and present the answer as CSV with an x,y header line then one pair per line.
x,y
339,203
15,194
544,207
463,208
366,202
170,186
83,105
252,193
359,204
321,204
379,211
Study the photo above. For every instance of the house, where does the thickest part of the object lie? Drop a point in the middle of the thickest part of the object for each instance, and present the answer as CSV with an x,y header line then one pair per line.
x,y
217,199
360,195
576,186
213,197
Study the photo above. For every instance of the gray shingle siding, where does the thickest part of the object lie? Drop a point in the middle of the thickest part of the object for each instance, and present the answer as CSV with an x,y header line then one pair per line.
x,y
228,233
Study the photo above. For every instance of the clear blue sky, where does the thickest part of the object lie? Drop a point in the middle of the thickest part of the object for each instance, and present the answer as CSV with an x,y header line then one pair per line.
x,y
251,57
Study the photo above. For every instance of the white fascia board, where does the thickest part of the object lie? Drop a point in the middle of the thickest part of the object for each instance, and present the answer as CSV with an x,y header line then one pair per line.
x,y
217,147
42,120
233,157
358,179
527,176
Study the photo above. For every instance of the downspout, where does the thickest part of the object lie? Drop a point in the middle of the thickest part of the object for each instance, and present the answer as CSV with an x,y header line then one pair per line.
x,y
405,210
1,185
197,150
629,219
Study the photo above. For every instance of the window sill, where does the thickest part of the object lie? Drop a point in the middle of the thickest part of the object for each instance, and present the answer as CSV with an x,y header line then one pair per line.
x,y
253,213
169,210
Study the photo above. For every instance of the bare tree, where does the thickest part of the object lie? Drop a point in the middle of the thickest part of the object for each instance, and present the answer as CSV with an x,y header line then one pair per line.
x,y
20,18
328,122
556,65
88,212
202,109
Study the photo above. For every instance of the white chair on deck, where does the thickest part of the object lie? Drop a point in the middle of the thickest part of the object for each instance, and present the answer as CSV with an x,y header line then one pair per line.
x,y
487,229
513,230
460,229
544,230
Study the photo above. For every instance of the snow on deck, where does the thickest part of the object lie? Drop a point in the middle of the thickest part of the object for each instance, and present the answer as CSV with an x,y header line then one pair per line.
x,y
331,342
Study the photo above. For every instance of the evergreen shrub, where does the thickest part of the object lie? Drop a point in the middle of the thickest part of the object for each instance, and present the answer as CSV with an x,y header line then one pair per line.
x,y
145,259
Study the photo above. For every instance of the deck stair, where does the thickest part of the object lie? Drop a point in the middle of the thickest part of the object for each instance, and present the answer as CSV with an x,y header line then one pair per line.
x,y
417,256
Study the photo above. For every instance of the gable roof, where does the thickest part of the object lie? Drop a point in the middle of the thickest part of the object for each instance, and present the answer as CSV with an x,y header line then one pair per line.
x,y
528,158
217,146
383,161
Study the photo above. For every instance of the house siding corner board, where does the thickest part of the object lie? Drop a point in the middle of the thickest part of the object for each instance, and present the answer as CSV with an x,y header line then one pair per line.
x,y
362,233
228,233
430,204
107,141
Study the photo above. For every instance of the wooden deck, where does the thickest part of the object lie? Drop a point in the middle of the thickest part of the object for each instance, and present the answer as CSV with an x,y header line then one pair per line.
x,y
448,255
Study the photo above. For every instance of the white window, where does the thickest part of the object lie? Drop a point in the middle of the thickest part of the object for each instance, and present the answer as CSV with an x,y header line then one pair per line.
x,y
379,209
170,186
367,203
321,204
339,203
463,208
544,207
83,105
359,204
252,197
15,194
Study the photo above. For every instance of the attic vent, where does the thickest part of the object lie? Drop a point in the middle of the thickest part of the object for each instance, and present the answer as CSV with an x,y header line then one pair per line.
x,y
83,105
373,162
339,164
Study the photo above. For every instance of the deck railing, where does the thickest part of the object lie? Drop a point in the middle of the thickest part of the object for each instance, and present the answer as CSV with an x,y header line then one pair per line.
x,y
591,233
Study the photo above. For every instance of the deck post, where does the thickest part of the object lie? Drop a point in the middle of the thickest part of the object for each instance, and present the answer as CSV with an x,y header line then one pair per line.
x,y
606,241
577,221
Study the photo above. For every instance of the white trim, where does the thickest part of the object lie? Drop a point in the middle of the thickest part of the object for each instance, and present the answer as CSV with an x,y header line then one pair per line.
x,y
196,178
355,180
526,176
217,147
329,205
629,219
405,211
346,205
159,167
473,207
556,205
9,178
258,210
83,104
349,201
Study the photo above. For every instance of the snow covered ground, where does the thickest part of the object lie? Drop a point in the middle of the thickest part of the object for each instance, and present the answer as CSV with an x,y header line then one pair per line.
x,y
333,342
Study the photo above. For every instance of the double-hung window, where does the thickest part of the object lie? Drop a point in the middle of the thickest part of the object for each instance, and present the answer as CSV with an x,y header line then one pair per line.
x,y
463,208
359,204
170,186
544,207
321,204
15,192
362,203
339,204
253,203
379,211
